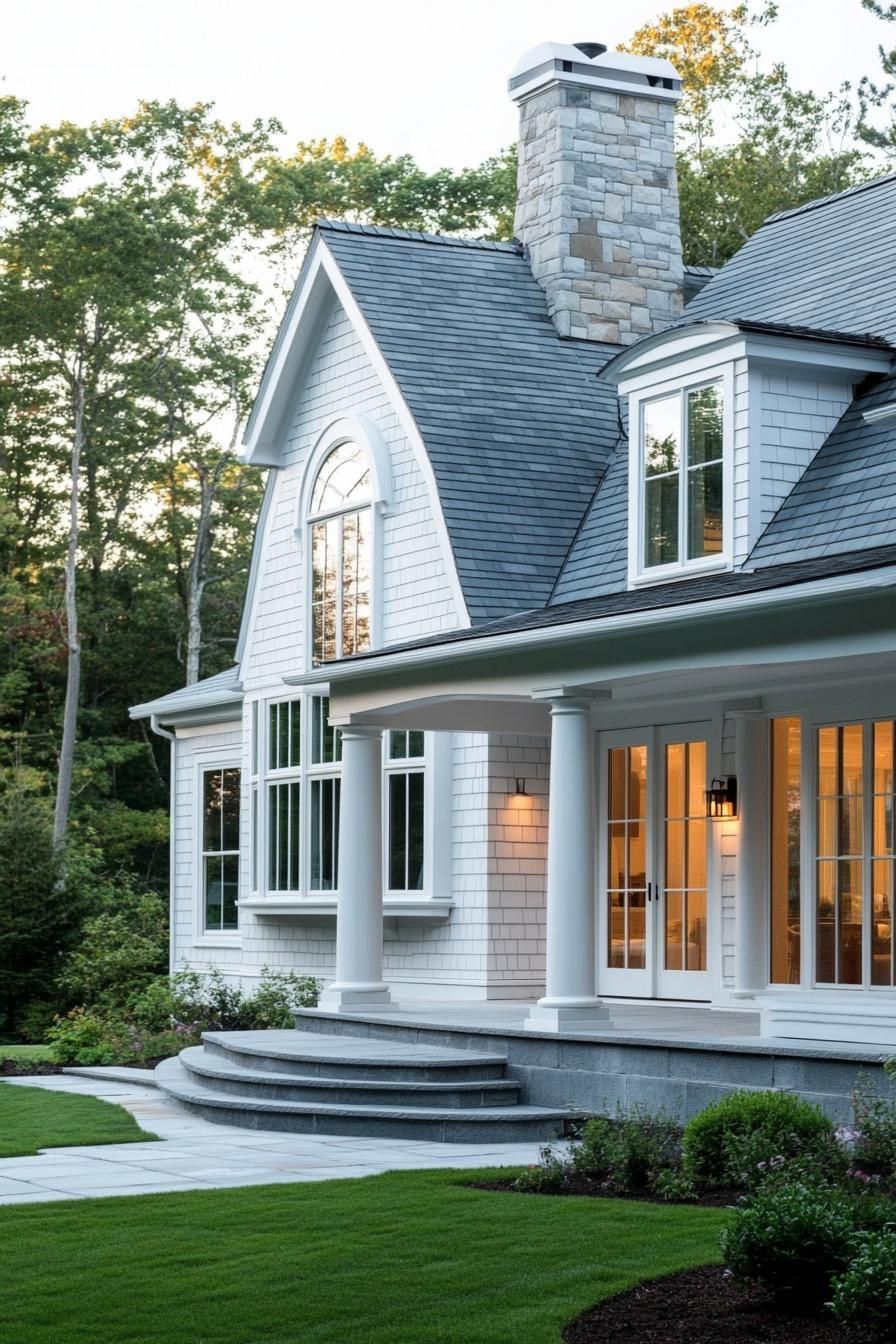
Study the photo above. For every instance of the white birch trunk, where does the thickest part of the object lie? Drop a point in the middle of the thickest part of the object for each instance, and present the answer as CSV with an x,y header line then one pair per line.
x,y
72,636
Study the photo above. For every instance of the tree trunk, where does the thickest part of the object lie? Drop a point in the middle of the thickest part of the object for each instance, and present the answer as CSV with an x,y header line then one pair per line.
x,y
197,574
72,638
203,545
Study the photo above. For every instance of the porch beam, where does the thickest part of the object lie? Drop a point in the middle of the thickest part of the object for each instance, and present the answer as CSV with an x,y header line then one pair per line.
x,y
570,1002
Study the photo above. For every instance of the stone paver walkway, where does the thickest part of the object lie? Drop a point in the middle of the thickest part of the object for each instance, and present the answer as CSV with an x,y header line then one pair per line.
x,y
195,1155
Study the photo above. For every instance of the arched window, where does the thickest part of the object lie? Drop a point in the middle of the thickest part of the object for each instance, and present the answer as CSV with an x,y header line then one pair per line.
x,y
341,554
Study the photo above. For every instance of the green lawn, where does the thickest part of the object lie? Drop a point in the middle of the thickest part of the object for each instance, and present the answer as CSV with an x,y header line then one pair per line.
x,y
32,1118
25,1053
406,1258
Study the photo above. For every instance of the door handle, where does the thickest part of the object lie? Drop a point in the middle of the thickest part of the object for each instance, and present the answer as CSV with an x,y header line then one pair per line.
x,y
650,891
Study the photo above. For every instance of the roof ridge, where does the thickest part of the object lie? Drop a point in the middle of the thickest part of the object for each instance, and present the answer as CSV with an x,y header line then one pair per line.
x,y
829,199
418,236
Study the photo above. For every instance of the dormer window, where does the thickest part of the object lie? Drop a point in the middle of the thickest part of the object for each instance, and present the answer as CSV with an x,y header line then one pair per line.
x,y
680,478
683,471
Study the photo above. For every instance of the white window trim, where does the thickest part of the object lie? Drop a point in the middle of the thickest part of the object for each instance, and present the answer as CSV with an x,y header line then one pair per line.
x,y
364,433
204,761
639,576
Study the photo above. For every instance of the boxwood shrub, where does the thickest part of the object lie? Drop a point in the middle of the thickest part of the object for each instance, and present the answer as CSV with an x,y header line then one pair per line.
x,y
732,1142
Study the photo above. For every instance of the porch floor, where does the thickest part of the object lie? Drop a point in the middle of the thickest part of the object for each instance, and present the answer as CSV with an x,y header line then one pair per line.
x,y
687,1026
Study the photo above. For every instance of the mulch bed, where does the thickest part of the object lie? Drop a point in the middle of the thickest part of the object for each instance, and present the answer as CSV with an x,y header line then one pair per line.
x,y
26,1068
581,1185
700,1306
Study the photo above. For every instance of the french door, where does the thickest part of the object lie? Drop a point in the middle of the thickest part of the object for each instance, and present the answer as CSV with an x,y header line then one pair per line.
x,y
653,888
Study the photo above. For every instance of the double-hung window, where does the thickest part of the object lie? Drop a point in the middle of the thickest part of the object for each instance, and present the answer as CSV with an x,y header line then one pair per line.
x,y
323,798
220,848
405,809
284,795
681,480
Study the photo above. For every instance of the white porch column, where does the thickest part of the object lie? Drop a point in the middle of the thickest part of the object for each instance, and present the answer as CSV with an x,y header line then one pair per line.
x,y
359,911
751,890
570,1002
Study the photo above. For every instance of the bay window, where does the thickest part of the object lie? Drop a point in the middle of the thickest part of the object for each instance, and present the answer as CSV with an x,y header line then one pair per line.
x,y
681,479
300,783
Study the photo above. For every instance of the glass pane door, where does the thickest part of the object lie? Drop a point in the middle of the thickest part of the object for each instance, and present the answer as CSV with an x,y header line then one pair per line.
x,y
626,943
683,903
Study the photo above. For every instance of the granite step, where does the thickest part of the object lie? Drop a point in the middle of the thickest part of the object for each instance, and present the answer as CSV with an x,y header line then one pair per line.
x,y
216,1073
308,1055
483,1124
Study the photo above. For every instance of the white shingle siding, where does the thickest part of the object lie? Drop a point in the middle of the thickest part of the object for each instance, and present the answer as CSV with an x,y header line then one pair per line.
x,y
416,596
780,422
220,746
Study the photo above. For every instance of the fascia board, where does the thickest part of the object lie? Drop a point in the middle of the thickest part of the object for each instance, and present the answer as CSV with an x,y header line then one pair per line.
x,y
247,618
666,347
261,440
475,650
807,353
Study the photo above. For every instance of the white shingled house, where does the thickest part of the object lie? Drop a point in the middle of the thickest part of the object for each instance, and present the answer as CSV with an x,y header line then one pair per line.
x,y
565,682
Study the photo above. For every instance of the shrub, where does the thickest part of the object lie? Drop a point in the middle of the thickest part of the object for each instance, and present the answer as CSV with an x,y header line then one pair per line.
x,y
731,1142
544,1177
864,1297
171,1012
794,1237
87,1037
122,948
628,1153
873,1139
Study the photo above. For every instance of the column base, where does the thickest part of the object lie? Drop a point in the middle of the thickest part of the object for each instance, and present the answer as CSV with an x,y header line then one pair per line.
x,y
567,1015
348,998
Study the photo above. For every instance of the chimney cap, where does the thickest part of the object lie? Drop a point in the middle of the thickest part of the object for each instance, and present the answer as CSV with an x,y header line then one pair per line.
x,y
594,66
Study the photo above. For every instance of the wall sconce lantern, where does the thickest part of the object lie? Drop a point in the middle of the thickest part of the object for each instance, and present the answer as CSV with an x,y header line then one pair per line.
x,y
721,798
520,790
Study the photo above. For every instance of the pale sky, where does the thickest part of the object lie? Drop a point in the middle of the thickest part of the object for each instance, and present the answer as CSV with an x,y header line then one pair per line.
x,y
403,75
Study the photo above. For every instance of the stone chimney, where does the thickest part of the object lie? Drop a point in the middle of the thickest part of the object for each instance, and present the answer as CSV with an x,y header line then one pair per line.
x,y
597,205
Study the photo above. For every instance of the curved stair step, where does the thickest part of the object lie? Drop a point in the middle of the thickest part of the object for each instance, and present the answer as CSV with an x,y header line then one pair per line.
x,y
496,1124
218,1075
310,1055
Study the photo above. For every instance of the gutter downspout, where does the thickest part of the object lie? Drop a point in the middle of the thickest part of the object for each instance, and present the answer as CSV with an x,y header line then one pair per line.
x,y
164,732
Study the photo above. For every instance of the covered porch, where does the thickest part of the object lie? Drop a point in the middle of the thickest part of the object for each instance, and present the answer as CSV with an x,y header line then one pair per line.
x,y
688,694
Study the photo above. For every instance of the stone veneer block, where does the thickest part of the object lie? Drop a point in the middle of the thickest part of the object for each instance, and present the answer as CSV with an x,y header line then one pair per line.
x,y
597,210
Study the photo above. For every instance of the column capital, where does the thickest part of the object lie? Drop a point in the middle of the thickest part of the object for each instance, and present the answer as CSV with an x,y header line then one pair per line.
x,y
744,709
570,698
362,732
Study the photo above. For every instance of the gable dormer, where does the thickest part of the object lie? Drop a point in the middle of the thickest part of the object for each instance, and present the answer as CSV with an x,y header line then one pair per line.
x,y
724,418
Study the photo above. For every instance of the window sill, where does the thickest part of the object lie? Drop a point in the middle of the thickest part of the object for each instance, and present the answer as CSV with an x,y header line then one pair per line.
x,y
673,574
317,907
233,939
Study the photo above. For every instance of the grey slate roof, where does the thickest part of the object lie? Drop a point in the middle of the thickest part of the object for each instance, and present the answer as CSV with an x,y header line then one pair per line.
x,y
829,265
517,426
598,558
846,498
223,688
683,592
